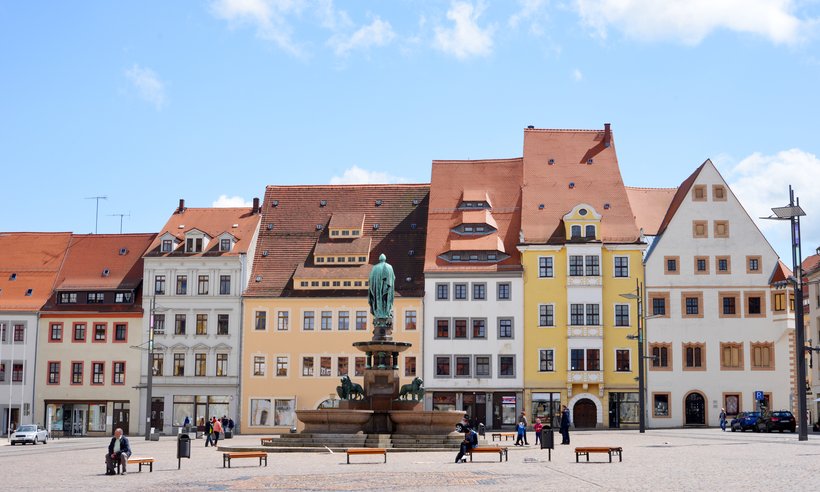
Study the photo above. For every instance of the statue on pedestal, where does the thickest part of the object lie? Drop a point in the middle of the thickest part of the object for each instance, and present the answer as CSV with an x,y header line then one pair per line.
x,y
382,284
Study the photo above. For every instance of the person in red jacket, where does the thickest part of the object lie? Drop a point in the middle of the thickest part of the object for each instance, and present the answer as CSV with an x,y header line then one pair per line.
x,y
537,428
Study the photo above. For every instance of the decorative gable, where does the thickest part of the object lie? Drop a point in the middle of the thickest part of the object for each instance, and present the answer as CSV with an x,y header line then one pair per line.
x,y
582,223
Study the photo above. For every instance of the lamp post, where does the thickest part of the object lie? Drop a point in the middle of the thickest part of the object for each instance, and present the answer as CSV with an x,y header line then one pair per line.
x,y
792,212
149,386
638,296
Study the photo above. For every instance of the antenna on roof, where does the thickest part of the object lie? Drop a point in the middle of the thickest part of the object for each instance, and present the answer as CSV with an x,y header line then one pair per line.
x,y
120,216
97,213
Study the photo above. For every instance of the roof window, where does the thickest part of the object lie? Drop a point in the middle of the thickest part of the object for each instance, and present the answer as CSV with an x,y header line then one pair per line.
x,y
106,272
319,227
123,251
322,203
375,226
259,278
270,227
379,203
589,161
540,206
411,252
551,162
13,276
265,253
274,203
416,201
571,184
29,292
413,226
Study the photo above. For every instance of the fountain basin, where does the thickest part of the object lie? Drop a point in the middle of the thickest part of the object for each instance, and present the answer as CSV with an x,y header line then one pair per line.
x,y
425,422
334,420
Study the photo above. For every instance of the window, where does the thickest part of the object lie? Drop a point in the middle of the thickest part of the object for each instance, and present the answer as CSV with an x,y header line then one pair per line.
x,y
97,373
76,373
694,356
344,320
482,366
546,360
576,314
442,366
167,245
659,301
442,328
691,303
20,333
442,292
179,324
17,373
724,265
701,265
779,301
700,229
660,405
409,366
762,356
546,315
460,328
307,366
308,321
728,304
622,266
593,264
282,318
718,193
589,232
753,264
754,304
722,228
593,315
224,285
505,328
671,265
281,366
576,360
660,353
479,328
576,265
79,332
621,314
159,324
503,289
225,244
200,363
361,320
259,365
56,332
622,363
159,363
120,332
731,356
221,365
327,320
459,292
179,364
95,297
223,322
193,245
261,320
410,320
479,292
359,366
463,366
699,193
159,285
545,269
575,231
325,366
123,297
731,402
182,285
118,372
593,360
506,366
201,324
68,298
202,285
53,373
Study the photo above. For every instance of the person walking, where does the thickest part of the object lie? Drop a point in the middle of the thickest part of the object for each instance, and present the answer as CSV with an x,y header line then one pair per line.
x,y
523,418
537,428
208,430
723,419
216,425
521,432
564,425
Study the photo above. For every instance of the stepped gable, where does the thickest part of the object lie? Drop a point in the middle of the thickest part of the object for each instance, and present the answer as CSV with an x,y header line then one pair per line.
x,y
212,221
649,206
29,260
495,181
563,168
301,216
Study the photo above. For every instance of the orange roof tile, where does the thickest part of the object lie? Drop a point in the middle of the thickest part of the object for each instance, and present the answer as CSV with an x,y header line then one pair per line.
x,y
214,222
476,196
490,242
583,169
89,255
33,259
335,246
343,220
810,264
781,272
649,206
477,217
330,273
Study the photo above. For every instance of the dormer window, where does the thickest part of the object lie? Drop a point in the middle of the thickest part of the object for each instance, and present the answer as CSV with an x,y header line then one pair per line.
x,y
354,232
167,245
575,232
193,245
334,233
29,292
345,232
68,298
590,232
13,277
224,244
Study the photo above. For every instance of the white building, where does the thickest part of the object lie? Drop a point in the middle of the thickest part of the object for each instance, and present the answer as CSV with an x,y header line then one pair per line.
x,y
195,273
811,272
717,329
473,304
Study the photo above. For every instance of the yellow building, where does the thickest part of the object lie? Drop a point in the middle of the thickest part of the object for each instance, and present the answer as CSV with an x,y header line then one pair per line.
x,y
306,303
580,250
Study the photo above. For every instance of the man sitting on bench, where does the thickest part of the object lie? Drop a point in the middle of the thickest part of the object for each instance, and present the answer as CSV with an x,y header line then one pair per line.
x,y
470,442
119,450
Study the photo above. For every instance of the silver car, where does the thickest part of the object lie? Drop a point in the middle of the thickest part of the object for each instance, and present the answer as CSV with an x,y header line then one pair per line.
x,y
29,433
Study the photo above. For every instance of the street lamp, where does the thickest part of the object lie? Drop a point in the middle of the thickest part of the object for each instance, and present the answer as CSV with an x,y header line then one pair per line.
x,y
792,212
638,296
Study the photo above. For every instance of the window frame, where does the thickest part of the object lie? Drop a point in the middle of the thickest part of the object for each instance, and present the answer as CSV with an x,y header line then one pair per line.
x,y
740,360
685,359
618,270
546,267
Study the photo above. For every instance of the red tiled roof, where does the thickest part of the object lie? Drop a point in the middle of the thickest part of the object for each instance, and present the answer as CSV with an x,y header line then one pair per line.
x,y
490,242
781,272
34,258
343,220
680,195
214,222
476,217
571,180
332,273
649,206
336,246
496,180
810,264
298,212
90,254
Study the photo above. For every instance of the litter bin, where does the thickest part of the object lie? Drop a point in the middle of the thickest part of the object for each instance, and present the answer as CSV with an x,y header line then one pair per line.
x,y
548,441
481,429
183,448
228,434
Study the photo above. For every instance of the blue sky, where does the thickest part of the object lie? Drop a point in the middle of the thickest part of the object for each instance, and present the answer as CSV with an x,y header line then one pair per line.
x,y
147,102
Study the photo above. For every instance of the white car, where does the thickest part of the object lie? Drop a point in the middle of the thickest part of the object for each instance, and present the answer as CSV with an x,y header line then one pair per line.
x,y
29,433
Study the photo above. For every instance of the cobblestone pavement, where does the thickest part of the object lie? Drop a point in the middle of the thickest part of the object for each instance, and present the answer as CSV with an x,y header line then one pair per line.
x,y
678,459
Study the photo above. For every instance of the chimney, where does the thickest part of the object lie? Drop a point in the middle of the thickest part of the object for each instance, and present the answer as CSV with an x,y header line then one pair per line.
x,y
181,206
607,135
255,209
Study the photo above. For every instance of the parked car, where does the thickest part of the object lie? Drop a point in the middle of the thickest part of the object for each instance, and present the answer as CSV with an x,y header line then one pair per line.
x,y
29,433
780,420
745,421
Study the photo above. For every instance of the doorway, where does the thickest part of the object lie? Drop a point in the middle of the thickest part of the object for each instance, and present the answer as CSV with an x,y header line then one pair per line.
x,y
695,409
584,414
121,417
157,413
10,421
77,416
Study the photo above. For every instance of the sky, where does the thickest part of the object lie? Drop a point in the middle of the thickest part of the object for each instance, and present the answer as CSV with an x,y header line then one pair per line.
x,y
147,102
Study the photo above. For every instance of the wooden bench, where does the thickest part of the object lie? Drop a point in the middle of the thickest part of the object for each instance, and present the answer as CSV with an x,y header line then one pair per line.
x,y
608,451
227,457
381,451
502,452
507,435
142,460
265,440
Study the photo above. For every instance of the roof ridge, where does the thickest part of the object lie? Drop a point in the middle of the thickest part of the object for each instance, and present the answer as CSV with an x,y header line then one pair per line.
x,y
462,161
352,185
565,130
650,188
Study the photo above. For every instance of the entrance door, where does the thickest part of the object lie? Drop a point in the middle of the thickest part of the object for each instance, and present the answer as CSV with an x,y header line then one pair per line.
x,y
695,409
584,414
78,422
157,413
614,414
121,414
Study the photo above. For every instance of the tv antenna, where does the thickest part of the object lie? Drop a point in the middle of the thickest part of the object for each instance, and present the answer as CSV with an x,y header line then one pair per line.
x,y
97,215
120,216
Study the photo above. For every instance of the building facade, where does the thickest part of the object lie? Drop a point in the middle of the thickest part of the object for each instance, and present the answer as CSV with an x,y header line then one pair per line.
x,y
195,272
811,280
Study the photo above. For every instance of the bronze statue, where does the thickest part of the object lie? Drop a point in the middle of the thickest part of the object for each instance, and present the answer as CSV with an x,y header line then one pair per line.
x,y
349,390
412,391
382,284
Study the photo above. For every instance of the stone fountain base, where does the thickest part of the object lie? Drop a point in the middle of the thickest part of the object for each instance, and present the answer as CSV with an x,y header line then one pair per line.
x,y
334,420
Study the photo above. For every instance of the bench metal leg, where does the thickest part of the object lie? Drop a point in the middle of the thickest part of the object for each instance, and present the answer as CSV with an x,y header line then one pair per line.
x,y
385,456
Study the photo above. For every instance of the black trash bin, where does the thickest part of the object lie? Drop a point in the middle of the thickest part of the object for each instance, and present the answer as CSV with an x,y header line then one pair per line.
x,y
183,448
481,429
548,440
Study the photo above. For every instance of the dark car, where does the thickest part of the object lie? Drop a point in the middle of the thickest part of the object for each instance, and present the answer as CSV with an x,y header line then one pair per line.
x,y
745,421
780,420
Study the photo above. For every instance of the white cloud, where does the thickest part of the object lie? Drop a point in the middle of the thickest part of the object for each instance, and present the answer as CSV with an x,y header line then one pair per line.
x,y
691,21
532,11
148,85
357,175
762,181
269,17
466,38
331,18
377,33
225,201
577,75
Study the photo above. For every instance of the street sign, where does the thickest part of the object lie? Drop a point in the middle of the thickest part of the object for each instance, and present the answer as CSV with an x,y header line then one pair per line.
x,y
759,396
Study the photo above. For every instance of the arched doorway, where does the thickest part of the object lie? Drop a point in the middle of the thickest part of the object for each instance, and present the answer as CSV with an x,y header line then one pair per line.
x,y
584,414
695,409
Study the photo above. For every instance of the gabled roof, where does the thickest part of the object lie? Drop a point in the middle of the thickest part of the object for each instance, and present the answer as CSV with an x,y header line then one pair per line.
x,y
33,258
810,264
89,255
401,219
212,221
680,195
780,273
649,206
484,216
565,167
345,220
